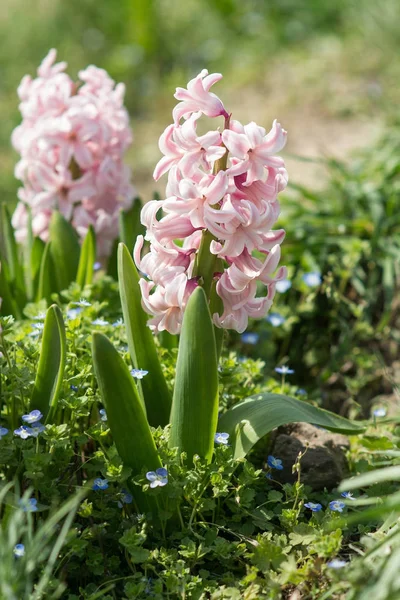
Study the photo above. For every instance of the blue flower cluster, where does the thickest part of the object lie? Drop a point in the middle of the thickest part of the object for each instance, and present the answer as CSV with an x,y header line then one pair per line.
x,y
33,419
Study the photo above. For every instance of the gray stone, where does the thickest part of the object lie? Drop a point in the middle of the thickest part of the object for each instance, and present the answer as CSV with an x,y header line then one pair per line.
x,y
323,466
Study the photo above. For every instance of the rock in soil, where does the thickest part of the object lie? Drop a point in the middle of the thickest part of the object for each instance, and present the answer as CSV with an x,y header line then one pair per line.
x,y
323,466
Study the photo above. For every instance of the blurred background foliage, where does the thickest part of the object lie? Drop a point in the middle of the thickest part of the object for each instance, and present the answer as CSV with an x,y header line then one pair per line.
x,y
326,68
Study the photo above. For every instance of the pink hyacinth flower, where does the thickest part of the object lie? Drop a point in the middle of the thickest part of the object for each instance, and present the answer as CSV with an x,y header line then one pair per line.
x,y
197,97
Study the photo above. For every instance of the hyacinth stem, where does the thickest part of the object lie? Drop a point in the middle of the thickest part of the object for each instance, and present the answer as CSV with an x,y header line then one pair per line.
x,y
206,261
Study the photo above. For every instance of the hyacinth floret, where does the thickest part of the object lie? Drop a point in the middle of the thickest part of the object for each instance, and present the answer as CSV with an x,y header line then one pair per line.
x,y
72,140
220,209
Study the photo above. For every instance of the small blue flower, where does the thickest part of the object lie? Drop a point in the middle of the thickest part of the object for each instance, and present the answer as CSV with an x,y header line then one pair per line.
x,y
33,417
275,319
283,286
138,373
83,303
36,429
268,475
118,323
274,463
347,495
126,497
157,478
37,329
19,550
97,266
337,505
3,432
103,413
300,392
250,338
336,563
74,388
22,432
313,506
100,484
380,412
29,505
284,370
221,438
312,279
73,313
99,321
40,316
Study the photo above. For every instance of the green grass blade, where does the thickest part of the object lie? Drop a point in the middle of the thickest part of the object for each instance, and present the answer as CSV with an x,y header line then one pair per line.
x,y
8,306
51,366
35,259
194,411
248,421
129,224
13,268
141,343
65,250
125,412
87,259
370,478
47,283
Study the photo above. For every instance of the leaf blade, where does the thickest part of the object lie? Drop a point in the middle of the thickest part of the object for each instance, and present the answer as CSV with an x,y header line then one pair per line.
x,y
65,250
194,412
49,376
248,421
87,259
141,343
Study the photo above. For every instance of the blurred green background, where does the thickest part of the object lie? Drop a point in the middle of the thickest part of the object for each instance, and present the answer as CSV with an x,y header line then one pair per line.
x,y
327,69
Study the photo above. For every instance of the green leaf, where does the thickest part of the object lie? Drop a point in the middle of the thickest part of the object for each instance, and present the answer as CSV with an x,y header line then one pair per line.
x,y
47,283
87,259
194,411
370,478
65,250
248,421
35,259
141,343
13,269
129,224
50,371
8,305
125,412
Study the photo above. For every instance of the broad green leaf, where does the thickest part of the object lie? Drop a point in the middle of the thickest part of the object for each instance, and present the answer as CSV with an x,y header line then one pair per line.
x,y
370,478
13,269
87,259
50,371
168,341
35,260
129,224
47,283
112,267
141,342
250,420
8,305
65,250
194,412
125,412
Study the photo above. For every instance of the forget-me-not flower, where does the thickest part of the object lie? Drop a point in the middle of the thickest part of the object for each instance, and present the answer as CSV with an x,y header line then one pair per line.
x,y
19,550
347,495
274,463
126,498
100,321
380,412
74,388
336,563
138,373
40,316
36,429
97,266
221,438
118,323
22,432
250,338
3,431
300,392
103,414
29,505
83,303
337,505
313,506
73,313
275,319
33,417
157,478
100,484
312,279
283,286
284,370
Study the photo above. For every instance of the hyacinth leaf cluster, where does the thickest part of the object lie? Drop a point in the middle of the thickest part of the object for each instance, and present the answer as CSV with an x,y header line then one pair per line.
x,y
193,416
